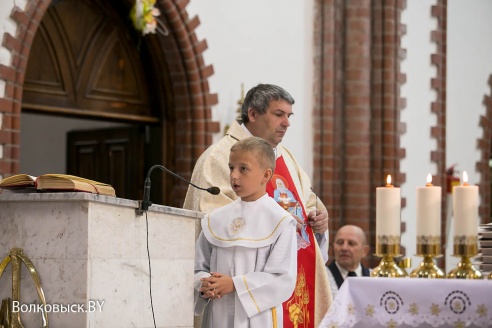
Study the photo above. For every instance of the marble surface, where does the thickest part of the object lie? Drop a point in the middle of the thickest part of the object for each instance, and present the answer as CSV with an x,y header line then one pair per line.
x,y
90,247
6,195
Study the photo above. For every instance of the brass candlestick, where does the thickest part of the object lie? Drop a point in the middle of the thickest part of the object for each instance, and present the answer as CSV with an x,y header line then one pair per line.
x,y
388,267
428,249
466,248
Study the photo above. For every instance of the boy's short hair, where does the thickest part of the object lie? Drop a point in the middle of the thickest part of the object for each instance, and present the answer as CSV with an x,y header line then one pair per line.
x,y
261,148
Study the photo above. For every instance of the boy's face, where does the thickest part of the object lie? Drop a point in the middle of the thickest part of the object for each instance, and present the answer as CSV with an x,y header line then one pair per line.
x,y
248,178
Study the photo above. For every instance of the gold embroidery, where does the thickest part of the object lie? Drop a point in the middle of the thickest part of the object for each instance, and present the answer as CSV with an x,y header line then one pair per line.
x,y
482,310
351,309
249,239
370,310
457,307
298,310
459,324
274,317
237,225
392,305
250,294
414,309
435,310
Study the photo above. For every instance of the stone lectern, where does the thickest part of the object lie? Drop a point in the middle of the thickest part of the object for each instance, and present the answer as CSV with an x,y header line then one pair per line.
x,y
90,252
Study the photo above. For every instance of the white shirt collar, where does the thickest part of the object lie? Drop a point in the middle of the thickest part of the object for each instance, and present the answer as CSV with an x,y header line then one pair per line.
x,y
344,272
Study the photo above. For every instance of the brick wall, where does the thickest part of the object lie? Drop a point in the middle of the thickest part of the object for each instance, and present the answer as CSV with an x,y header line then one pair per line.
x,y
190,91
328,106
357,107
484,144
10,105
438,107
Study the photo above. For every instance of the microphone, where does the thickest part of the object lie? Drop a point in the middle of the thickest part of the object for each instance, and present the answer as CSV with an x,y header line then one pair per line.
x,y
145,204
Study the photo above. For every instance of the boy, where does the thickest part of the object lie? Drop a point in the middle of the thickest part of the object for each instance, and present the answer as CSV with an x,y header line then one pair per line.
x,y
246,254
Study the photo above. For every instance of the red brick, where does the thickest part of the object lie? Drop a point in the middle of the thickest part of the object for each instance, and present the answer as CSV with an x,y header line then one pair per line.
x,y
6,106
193,23
212,99
201,46
5,137
181,4
7,73
20,17
5,168
207,72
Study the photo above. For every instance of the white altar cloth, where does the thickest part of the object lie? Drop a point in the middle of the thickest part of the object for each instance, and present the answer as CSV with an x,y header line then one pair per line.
x,y
411,302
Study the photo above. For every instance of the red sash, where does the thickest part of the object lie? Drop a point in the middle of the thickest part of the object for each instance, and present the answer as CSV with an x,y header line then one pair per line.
x,y
299,308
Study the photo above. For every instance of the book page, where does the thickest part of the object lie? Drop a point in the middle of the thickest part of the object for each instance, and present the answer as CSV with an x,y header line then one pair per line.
x,y
71,182
18,180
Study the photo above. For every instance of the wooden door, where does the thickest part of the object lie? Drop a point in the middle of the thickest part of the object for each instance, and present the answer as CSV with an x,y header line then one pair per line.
x,y
114,156
87,61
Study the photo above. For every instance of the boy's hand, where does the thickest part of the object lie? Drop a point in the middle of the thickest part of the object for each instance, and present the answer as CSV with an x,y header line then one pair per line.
x,y
217,285
299,222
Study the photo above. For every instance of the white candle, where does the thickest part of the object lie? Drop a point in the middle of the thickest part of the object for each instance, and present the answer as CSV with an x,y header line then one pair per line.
x,y
388,204
429,209
465,208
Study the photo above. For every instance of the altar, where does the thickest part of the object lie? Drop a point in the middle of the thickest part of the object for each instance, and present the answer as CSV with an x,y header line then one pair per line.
x,y
90,252
411,302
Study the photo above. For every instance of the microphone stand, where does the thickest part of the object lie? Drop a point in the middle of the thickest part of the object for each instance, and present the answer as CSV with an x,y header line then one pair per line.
x,y
146,203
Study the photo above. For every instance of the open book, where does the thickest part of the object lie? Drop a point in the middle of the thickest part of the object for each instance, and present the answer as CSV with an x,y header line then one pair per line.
x,y
56,182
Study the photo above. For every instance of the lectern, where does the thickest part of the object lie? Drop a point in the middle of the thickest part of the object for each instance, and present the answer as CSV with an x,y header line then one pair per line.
x,y
90,249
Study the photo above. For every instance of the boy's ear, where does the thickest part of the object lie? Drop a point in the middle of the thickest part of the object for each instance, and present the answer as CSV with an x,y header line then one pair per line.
x,y
267,175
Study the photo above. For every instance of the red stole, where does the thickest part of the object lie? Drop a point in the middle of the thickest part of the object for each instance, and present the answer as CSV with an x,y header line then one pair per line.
x,y
299,308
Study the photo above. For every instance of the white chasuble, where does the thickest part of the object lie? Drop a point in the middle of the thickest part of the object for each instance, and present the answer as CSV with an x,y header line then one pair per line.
x,y
255,243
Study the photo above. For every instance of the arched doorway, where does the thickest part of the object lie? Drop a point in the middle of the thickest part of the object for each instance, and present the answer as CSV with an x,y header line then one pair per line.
x,y
87,63
93,65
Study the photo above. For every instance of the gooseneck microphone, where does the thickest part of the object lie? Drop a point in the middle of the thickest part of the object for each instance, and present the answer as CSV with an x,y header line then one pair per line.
x,y
145,204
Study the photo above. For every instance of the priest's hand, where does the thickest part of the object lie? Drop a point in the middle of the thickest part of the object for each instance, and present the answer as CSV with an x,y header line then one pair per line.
x,y
318,220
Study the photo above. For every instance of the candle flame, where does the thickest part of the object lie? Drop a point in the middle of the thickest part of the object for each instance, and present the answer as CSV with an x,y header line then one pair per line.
x,y
429,179
465,177
388,179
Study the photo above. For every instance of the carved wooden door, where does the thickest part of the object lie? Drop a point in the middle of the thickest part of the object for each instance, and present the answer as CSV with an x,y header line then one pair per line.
x,y
86,61
113,156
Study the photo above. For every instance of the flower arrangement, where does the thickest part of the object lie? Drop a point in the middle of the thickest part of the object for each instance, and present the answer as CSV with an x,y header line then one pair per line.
x,y
144,16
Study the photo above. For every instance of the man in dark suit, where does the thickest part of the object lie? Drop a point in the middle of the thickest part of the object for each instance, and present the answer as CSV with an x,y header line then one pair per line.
x,y
349,247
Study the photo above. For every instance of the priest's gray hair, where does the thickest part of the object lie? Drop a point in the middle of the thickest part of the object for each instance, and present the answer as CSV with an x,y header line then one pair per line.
x,y
261,149
259,98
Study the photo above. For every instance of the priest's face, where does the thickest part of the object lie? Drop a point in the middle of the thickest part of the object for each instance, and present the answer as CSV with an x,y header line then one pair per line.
x,y
350,247
273,124
248,178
